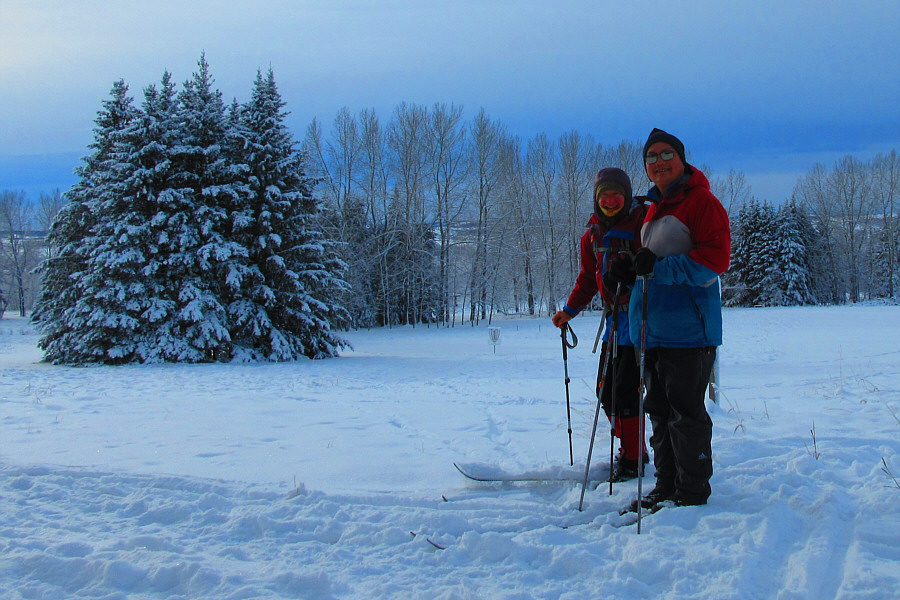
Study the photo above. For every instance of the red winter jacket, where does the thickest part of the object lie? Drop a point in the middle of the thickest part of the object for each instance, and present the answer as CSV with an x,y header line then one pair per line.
x,y
688,230
598,244
691,222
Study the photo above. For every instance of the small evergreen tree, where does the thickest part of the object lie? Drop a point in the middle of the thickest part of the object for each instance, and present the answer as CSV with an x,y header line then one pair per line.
x,y
734,288
794,234
765,275
756,276
741,282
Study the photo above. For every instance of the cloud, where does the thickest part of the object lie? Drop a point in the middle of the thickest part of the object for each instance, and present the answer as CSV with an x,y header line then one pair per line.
x,y
756,79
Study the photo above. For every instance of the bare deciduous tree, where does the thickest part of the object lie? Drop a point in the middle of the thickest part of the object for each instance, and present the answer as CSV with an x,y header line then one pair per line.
x,y
407,133
48,207
541,172
486,180
812,192
850,185
734,191
626,155
19,245
577,165
447,153
886,182
522,215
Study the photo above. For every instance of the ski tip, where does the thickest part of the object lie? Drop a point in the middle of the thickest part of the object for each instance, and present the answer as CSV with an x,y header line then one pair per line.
x,y
475,472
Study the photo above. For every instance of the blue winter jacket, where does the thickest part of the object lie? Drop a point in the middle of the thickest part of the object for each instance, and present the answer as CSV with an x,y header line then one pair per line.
x,y
688,231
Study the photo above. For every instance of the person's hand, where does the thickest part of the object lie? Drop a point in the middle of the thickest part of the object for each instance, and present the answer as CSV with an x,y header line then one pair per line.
x,y
561,318
619,270
644,262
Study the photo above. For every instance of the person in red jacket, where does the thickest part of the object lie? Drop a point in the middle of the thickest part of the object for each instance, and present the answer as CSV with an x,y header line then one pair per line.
x,y
613,228
686,247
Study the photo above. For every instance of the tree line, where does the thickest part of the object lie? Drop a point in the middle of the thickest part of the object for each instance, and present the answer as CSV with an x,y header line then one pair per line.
x,y
835,241
199,231
499,219
446,220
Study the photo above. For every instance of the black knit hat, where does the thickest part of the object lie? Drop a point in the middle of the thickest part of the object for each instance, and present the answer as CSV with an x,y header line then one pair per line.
x,y
658,135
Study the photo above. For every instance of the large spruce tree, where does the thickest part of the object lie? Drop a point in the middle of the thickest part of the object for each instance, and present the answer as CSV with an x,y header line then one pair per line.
x,y
67,327
123,297
287,302
202,188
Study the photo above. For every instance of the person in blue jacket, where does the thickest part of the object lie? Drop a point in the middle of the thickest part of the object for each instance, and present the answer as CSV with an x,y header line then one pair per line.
x,y
686,247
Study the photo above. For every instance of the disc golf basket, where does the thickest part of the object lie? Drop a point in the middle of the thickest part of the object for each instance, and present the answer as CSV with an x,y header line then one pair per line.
x,y
494,335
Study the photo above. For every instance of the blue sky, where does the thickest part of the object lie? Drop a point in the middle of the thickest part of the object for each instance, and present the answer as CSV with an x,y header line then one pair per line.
x,y
769,88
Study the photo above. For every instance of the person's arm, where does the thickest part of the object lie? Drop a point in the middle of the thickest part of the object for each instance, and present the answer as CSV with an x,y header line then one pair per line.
x,y
711,252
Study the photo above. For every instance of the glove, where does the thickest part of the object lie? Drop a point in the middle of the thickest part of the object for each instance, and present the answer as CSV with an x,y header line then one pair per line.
x,y
561,318
619,270
644,261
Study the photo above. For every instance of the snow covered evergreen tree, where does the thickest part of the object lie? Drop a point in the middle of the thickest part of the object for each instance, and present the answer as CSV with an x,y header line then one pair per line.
x,y
734,287
62,328
122,296
155,136
764,271
754,277
203,187
793,238
741,286
284,303
191,236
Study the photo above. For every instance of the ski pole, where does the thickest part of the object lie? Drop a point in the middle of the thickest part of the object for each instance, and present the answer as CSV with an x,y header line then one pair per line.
x,y
565,346
641,394
612,407
604,363
603,316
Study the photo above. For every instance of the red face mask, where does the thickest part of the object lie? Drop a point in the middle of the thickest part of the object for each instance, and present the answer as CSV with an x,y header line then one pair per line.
x,y
610,202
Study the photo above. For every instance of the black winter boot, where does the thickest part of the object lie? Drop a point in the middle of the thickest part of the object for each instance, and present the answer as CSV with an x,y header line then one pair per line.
x,y
656,496
625,469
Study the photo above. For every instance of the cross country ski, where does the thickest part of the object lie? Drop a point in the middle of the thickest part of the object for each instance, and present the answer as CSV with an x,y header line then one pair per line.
x,y
485,472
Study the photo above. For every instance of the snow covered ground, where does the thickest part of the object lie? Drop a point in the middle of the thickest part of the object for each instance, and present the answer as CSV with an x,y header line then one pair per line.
x,y
327,479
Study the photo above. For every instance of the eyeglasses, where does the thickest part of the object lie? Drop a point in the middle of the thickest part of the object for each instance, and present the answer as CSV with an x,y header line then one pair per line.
x,y
652,157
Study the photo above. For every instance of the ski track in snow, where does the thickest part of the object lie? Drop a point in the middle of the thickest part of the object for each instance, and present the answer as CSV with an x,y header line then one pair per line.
x,y
334,479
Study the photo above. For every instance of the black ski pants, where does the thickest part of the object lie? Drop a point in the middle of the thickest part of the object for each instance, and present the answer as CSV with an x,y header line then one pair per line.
x,y
676,380
626,381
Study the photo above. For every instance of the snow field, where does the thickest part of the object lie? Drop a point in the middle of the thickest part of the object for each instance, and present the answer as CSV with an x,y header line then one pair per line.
x,y
327,479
